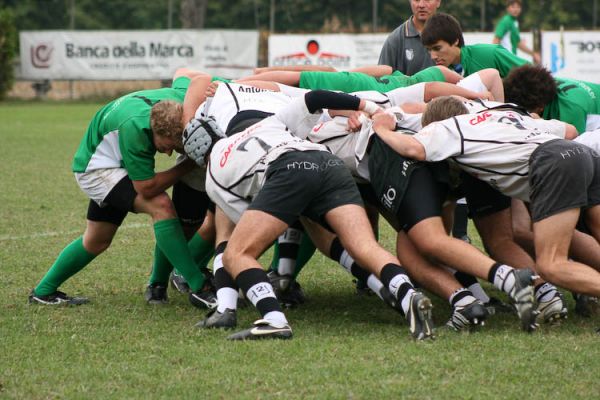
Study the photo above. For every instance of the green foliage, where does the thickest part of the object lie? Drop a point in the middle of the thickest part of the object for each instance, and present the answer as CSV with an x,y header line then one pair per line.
x,y
8,39
290,15
117,347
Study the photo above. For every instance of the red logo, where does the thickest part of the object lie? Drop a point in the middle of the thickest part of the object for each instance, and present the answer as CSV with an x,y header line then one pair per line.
x,y
480,118
41,55
312,55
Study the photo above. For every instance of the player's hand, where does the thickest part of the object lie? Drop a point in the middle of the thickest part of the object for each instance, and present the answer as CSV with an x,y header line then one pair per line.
x,y
355,121
211,89
487,95
384,120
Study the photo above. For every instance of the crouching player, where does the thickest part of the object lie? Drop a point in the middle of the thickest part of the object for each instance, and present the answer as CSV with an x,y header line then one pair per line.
x,y
264,178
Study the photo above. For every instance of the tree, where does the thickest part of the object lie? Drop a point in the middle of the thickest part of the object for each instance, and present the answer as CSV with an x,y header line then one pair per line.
x,y
8,39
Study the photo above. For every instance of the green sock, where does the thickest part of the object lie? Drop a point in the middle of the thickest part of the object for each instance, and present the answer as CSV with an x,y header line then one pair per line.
x,y
201,250
305,252
161,267
171,241
70,261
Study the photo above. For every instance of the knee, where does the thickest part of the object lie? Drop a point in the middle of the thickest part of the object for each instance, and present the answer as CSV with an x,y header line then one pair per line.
x,y
432,245
549,269
161,207
96,245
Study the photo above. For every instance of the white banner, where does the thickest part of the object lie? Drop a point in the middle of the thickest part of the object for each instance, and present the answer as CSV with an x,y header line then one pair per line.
x,y
133,55
573,55
345,51
341,51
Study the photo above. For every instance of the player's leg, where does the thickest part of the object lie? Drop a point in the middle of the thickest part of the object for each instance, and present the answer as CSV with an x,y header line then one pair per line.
x,y
468,311
352,226
171,241
224,316
114,190
253,234
552,238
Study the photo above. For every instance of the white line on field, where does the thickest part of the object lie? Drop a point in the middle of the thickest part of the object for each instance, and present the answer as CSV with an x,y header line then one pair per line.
x,y
61,233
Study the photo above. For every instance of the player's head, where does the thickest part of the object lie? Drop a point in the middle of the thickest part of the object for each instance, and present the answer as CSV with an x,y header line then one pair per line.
x,y
442,108
165,122
199,137
530,86
423,9
443,37
513,7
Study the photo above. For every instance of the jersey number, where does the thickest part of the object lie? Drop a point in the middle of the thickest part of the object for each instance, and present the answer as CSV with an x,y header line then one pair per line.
x,y
262,143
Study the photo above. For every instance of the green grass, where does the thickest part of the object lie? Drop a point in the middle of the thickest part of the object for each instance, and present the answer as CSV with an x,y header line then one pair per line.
x,y
345,346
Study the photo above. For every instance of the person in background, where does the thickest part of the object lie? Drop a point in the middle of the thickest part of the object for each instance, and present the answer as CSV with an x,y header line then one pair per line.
x,y
507,31
403,50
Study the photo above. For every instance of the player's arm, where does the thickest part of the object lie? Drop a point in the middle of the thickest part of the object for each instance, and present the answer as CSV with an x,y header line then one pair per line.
x,y
374,70
195,95
326,68
161,181
405,145
525,49
436,89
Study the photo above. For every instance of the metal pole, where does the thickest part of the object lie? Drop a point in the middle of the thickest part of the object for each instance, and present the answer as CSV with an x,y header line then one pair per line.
x,y
72,27
170,15
375,6
272,17
482,15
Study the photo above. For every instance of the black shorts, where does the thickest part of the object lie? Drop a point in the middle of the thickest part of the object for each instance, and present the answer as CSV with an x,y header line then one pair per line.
x,y
307,183
482,199
408,191
563,175
190,204
423,198
118,203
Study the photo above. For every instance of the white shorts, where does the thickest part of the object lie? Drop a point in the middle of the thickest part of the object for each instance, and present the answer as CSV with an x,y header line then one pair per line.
x,y
98,184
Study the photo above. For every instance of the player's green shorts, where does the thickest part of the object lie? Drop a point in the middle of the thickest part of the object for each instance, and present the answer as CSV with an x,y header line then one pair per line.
x,y
357,81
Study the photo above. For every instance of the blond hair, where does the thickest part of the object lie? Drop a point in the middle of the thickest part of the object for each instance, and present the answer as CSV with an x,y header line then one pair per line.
x,y
442,108
165,120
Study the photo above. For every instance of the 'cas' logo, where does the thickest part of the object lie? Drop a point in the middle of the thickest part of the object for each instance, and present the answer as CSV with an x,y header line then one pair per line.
x,y
41,55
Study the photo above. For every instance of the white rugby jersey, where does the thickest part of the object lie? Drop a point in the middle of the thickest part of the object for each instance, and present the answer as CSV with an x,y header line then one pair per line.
x,y
493,146
351,147
232,98
237,164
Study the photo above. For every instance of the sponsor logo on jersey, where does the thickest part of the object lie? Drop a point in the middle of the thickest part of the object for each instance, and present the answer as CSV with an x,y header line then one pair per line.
x,y
410,54
480,118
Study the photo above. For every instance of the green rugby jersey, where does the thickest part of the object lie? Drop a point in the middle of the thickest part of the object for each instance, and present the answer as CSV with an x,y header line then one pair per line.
x,y
577,103
507,31
474,58
349,82
119,135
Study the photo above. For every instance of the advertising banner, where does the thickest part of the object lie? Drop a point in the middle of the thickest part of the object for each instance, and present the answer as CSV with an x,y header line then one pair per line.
x,y
572,54
135,55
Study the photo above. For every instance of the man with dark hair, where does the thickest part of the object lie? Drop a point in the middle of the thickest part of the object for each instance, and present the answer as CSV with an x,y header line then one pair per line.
x,y
507,31
403,50
443,37
569,100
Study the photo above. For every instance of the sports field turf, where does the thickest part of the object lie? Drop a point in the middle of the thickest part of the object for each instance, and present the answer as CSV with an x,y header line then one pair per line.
x,y
345,346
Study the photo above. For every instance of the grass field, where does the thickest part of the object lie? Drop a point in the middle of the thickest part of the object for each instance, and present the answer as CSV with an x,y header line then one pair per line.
x,y
345,346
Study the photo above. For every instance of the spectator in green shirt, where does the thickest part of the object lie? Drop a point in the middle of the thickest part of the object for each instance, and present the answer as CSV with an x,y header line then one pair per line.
x,y
507,31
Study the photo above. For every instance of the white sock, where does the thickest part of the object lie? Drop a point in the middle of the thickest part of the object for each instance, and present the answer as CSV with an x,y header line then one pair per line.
x,y
545,292
226,297
479,293
375,285
504,279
